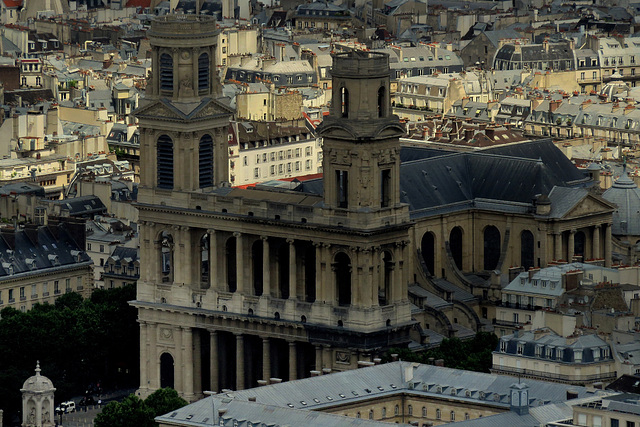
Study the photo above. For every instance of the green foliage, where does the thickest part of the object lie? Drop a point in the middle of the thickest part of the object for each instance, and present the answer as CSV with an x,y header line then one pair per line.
x,y
77,342
472,355
134,411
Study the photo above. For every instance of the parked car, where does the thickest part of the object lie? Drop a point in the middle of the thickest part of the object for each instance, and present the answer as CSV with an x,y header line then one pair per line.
x,y
66,407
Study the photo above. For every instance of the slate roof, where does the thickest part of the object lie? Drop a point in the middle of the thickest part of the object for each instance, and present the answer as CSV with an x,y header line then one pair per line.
x,y
552,344
36,250
625,194
496,35
82,206
290,401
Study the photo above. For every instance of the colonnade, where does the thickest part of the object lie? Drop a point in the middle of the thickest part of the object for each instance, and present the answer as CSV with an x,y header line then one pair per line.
x,y
172,356
593,246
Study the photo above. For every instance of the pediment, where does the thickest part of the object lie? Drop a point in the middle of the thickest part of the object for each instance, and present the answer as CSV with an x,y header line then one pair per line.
x,y
588,205
159,110
212,108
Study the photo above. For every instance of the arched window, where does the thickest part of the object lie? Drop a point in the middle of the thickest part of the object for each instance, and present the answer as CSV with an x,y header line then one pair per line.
x,y
453,416
344,100
165,162
455,242
438,415
205,160
381,101
396,410
491,247
384,413
166,72
203,73
204,262
410,409
424,411
342,268
166,370
370,414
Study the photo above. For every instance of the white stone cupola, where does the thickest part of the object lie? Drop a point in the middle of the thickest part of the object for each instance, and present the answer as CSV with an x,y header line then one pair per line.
x,y
38,401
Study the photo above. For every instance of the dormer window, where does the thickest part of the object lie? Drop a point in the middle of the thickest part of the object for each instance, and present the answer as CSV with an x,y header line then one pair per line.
x,y
503,346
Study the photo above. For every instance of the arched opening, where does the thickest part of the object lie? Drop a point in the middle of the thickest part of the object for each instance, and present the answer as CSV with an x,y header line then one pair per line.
x,y
344,100
579,244
384,287
230,255
428,249
491,247
166,72
166,257
165,162
256,263
381,101
203,73
309,263
166,371
342,268
204,262
283,269
526,249
205,161
455,243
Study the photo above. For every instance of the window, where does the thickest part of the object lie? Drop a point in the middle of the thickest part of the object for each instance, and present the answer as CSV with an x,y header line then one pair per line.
x,y
370,414
396,410
34,291
466,416
438,415
22,293
101,248
385,188
595,75
205,161
384,413
165,162
453,416
342,188
410,409
11,299
256,173
166,72
597,421
424,411
67,285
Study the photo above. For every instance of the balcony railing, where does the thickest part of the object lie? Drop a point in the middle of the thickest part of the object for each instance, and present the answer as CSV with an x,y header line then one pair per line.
x,y
553,376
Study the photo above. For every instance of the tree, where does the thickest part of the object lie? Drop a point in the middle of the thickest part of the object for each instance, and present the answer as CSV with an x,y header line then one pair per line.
x,y
133,411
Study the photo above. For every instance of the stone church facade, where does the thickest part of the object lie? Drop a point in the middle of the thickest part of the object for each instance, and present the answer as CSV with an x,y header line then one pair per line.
x,y
240,287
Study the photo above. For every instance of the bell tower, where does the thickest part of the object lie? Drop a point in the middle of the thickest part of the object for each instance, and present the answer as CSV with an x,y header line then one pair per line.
x,y
183,127
361,137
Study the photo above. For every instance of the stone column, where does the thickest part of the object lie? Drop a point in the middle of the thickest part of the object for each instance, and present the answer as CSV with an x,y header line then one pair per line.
x,y
239,262
154,370
375,274
195,54
365,281
356,276
571,245
292,269
239,362
176,71
557,245
266,269
318,358
144,355
213,361
607,245
187,364
327,359
213,259
177,370
293,361
596,241
266,359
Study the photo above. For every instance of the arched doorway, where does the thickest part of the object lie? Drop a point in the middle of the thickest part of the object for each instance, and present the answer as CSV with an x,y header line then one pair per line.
x,y
526,249
342,268
428,249
491,247
166,371
579,244
455,244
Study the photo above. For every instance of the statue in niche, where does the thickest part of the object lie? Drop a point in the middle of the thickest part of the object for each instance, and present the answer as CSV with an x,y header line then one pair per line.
x,y
32,416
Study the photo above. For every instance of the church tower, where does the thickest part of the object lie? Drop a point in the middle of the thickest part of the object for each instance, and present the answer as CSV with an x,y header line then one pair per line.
x,y
361,137
183,128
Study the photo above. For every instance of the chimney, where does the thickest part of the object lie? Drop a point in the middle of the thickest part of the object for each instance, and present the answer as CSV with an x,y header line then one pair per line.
x,y
572,279
542,204
553,105
468,134
490,132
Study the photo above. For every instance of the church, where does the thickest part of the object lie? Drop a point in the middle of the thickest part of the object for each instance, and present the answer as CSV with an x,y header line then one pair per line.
x,y
241,287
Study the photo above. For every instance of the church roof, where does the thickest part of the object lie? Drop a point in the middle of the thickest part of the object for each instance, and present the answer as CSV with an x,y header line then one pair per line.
x,y
626,195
